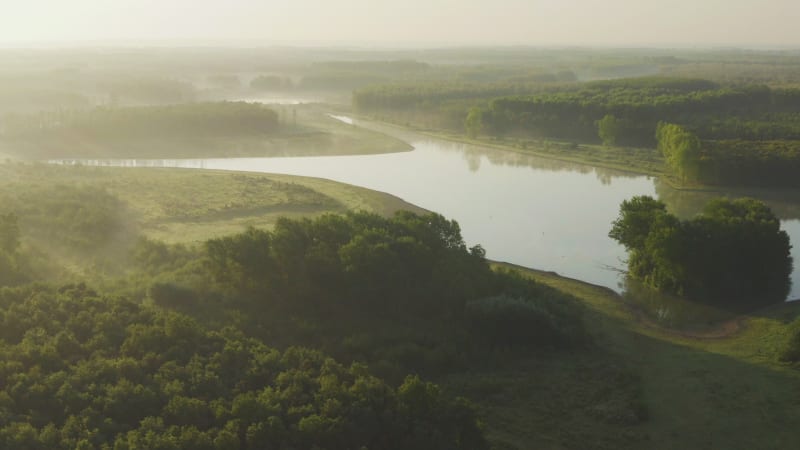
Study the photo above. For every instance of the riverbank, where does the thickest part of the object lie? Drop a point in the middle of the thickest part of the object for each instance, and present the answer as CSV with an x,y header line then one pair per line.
x,y
641,161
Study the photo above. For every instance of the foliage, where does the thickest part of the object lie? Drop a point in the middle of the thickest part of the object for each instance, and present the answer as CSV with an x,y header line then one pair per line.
x,y
511,322
384,266
184,120
474,122
608,129
681,150
77,217
81,370
734,254
754,163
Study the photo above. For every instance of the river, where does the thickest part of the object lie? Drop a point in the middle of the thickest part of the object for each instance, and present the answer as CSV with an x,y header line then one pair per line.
x,y
522,209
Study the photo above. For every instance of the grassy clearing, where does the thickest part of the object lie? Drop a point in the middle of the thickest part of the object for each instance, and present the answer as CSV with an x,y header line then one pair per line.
x,y
79,221
180,205
724,392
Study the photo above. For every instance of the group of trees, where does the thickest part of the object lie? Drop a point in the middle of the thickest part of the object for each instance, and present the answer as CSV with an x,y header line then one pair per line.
x,y
639,105
182,120
181,130
442,104
754,163
363,264
731,162
733,255
71,218
681,150
82,370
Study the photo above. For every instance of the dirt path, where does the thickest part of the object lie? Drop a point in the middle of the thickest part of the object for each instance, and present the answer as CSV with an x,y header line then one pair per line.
x,y
720,330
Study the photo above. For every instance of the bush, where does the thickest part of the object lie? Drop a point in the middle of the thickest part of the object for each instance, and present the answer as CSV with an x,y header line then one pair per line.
x,y
513,322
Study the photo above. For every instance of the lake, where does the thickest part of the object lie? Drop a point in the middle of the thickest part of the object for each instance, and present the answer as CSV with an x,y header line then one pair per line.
x,y
523,209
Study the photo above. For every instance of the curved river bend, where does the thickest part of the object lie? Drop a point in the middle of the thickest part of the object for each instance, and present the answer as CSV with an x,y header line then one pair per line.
x,y
522,209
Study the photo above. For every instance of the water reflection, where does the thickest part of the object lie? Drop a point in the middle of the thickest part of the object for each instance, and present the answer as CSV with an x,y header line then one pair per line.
x,y
687,203
473,154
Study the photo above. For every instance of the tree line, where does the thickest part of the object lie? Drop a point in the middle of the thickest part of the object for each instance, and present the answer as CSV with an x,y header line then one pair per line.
x,y
182,120
729,162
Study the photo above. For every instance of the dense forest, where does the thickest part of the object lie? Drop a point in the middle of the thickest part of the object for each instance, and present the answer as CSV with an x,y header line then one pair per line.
x,y
82,370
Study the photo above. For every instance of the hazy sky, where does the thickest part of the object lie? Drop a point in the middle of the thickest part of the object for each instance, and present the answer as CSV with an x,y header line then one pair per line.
x,y
406,22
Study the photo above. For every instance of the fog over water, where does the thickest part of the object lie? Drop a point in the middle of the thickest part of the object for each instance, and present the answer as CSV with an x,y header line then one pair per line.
x,y
630,23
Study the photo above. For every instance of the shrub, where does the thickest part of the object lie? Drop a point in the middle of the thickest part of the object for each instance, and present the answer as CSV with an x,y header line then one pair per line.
x,y
513,322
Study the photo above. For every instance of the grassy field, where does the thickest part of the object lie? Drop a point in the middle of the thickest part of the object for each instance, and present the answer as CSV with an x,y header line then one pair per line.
x,y
79,221
727,391
184,205
306,130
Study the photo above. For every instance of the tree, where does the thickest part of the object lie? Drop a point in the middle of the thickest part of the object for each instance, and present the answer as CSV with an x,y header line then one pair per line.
x,y
474,122
635,221
608,129
681,149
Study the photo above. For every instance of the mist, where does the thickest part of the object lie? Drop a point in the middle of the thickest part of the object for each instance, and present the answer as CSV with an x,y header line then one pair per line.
x,y
409,23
